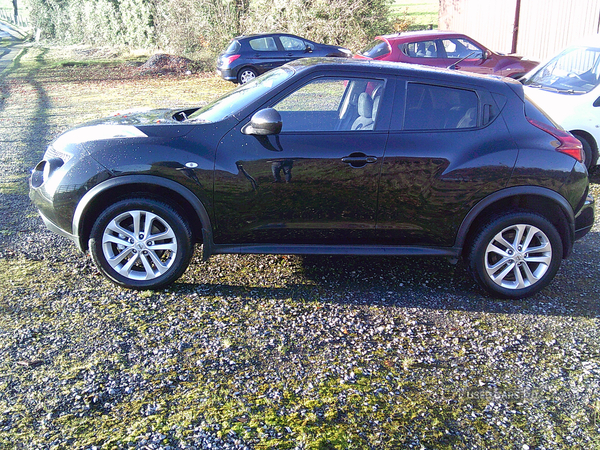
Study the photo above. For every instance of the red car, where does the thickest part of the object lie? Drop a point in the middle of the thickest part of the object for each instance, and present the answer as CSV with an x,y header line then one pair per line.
x,y
445,49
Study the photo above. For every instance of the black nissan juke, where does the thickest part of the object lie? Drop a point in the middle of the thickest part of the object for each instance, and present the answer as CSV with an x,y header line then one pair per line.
x,y
326,156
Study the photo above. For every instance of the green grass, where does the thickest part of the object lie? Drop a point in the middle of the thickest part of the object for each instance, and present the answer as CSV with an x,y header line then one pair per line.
x,y
421,13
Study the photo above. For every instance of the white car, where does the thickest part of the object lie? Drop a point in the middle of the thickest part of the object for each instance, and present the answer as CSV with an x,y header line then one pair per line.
x,y
567,88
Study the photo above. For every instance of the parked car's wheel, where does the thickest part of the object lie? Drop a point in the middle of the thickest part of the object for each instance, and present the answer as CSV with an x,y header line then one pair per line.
x,y
515,255
141,243
245,75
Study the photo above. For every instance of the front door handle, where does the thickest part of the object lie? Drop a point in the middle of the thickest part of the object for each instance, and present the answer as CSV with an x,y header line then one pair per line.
x,y
359,159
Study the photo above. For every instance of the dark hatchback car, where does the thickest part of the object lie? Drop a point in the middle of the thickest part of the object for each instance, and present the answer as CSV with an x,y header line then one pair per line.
x,y
249,56
326,157
446,49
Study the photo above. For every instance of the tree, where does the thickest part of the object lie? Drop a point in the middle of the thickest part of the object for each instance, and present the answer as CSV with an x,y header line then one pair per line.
x,y
16,10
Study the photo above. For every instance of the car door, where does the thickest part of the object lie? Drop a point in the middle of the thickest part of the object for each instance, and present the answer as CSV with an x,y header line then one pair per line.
x,y
266,54
445,152
467,56
293,48
316,181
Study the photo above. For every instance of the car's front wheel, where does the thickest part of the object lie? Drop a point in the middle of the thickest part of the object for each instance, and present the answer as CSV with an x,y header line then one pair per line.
x,y
515,255
141,243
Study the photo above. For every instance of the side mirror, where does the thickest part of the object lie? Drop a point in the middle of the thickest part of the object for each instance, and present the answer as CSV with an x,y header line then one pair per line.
x,y
308,49
263,123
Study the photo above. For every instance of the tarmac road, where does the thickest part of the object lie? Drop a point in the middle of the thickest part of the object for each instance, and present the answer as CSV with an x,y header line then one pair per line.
x,y
10,52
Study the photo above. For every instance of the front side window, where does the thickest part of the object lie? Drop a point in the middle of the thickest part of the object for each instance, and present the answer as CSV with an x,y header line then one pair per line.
x,y
265,44
461,48
332,104
292,44
430,107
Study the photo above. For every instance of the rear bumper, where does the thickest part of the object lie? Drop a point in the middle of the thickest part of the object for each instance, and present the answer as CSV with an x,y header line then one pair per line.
x,y
584,220
227,74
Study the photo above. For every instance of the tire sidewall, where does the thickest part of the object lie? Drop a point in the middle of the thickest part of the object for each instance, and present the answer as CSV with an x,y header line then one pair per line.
x,y
488,232
175,221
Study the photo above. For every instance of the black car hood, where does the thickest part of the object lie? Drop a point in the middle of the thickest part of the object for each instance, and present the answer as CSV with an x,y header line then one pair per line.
x,y
151,122
138,117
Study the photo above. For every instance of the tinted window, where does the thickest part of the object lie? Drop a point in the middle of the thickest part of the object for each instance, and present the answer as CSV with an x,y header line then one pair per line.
x,y
234,46
461,48
292,44
265,44
422,49
437,108
375,49
332,104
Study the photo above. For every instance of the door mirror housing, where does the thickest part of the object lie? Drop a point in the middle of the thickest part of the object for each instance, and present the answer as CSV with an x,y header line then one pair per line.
x,y
263,123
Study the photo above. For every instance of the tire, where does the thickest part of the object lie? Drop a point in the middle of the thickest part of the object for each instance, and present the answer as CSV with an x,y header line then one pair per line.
x,y
515,255
141,244
246,74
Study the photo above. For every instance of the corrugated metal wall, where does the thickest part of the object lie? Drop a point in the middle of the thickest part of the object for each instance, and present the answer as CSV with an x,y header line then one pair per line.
x,y
545,26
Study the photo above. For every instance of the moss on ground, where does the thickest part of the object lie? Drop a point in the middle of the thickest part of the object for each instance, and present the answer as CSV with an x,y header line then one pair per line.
x,y
276,351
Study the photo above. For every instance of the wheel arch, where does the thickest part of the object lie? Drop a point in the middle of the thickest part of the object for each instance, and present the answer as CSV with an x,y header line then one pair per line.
x,y
545,202
162,189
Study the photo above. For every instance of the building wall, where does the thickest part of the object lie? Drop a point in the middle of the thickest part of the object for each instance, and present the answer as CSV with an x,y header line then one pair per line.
x,y
545,26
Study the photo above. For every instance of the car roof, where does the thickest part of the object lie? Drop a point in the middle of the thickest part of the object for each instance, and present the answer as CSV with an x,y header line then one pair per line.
x,y
412,35
258,35
403,69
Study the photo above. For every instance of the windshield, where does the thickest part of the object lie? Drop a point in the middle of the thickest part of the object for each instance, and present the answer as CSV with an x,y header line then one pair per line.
x,y
575,71
241,97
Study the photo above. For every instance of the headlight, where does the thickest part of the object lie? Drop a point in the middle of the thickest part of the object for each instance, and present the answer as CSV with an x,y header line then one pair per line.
x,y
97,133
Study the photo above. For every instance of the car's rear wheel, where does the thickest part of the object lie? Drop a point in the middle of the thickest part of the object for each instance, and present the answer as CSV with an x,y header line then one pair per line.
x,y
515,255
141,243
245,75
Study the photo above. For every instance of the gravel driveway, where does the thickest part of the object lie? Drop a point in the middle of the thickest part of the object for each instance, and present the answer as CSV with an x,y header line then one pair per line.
x,y
269,351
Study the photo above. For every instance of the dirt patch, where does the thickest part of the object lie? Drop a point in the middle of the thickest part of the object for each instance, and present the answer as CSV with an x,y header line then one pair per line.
x,y
167,63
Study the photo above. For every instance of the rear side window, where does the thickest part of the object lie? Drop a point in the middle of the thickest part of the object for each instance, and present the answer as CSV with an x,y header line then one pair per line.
x,y
376,49
422,49
430,107
265,44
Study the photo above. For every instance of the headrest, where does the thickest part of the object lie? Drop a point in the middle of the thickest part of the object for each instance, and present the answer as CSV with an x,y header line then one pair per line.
x,y
365,105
